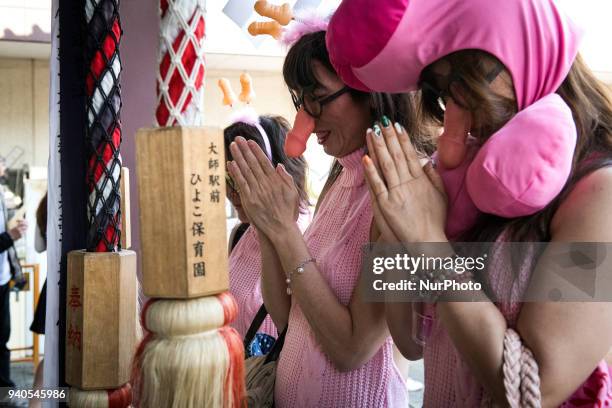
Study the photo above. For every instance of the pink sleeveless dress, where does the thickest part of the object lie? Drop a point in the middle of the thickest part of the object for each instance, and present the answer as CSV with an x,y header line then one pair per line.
x,y
305,376
448,379
245,280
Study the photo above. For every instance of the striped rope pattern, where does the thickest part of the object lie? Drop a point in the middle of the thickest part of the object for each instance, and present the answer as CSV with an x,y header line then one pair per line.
x,y
180,77
103,131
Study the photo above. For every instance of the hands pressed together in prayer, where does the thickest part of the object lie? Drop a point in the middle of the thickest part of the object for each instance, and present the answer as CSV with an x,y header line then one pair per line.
x,y
408,199
268,195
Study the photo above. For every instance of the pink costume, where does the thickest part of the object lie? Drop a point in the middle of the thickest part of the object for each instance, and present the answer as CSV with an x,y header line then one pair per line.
x,y
384,45
305,376
449,381
245,280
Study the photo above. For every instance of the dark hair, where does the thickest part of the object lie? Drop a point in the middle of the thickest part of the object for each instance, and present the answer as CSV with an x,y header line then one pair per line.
x,y
298,73
41,217
276,128
490,111
591,105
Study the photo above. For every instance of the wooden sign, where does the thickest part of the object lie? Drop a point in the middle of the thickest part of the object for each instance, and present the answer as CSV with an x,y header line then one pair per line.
x,y
181,184
101,323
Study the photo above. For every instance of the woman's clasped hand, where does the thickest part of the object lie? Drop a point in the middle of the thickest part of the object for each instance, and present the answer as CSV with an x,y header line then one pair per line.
x,y
408,198
269,195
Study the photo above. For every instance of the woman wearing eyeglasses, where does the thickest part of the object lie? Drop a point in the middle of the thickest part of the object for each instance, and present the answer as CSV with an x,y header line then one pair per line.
x,y
337,350
505,77
268,132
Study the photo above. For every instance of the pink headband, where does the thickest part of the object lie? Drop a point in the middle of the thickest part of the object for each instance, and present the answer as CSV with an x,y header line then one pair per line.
x,y
383,45
305,22
250,117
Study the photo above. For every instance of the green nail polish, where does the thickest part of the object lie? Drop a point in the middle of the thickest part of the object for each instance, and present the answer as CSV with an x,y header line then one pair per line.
x,y
385,121
377,130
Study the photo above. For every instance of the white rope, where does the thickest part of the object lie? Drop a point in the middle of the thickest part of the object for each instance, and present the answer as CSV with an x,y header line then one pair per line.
x,y
182,16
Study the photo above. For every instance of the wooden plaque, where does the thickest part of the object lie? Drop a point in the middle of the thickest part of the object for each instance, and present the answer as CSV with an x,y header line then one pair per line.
x,y
101,318
181,185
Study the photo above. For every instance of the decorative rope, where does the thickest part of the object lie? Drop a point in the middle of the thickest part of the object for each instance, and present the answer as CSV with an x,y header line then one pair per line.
x,y
530,380
103,131
118,398
521,377
121,397
180,78
512,367
194,326
103,136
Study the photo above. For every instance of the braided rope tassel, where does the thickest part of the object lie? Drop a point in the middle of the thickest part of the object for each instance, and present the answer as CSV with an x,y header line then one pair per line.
x,y
530,380
512,367
103,124
521,377
180,77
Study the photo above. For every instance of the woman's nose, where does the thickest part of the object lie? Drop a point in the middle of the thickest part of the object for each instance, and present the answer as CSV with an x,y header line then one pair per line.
x,y
452,142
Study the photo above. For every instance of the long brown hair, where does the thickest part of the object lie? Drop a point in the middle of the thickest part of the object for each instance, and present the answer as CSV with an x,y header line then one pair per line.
x,y
276,128
591,104
41,217
299,75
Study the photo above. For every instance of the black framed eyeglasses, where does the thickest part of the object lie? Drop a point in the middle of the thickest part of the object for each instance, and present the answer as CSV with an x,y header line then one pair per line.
x,y
314,106
434,97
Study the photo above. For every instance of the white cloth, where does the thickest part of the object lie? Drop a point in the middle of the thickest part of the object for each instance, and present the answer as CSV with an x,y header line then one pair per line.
x,y
5,267
51,374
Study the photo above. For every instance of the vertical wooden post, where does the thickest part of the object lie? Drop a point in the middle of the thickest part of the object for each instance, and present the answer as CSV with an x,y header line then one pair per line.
x,y
100,319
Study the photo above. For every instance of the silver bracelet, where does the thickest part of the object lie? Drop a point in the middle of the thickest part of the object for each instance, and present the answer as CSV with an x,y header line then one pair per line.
x,y
299,269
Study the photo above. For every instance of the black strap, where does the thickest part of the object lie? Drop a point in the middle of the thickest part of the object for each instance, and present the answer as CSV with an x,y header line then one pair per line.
x,y
274,353
238,234
255,325
276,348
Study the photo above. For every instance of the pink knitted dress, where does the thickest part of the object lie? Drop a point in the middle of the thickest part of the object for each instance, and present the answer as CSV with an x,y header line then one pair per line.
x,y
448,379
245,280
305,376
245,283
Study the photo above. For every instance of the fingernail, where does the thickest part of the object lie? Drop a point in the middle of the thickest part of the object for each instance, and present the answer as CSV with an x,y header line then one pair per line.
x,y
366,160
377,130
398,128
385,121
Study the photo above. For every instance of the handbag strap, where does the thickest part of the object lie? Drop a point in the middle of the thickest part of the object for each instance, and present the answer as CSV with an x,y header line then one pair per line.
x,y
255,325
276,348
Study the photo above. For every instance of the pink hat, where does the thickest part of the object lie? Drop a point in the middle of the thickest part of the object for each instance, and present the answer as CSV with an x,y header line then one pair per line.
x,y
383,45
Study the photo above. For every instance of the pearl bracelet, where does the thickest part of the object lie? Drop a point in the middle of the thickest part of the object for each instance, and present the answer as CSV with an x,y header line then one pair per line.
x,y
299,269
